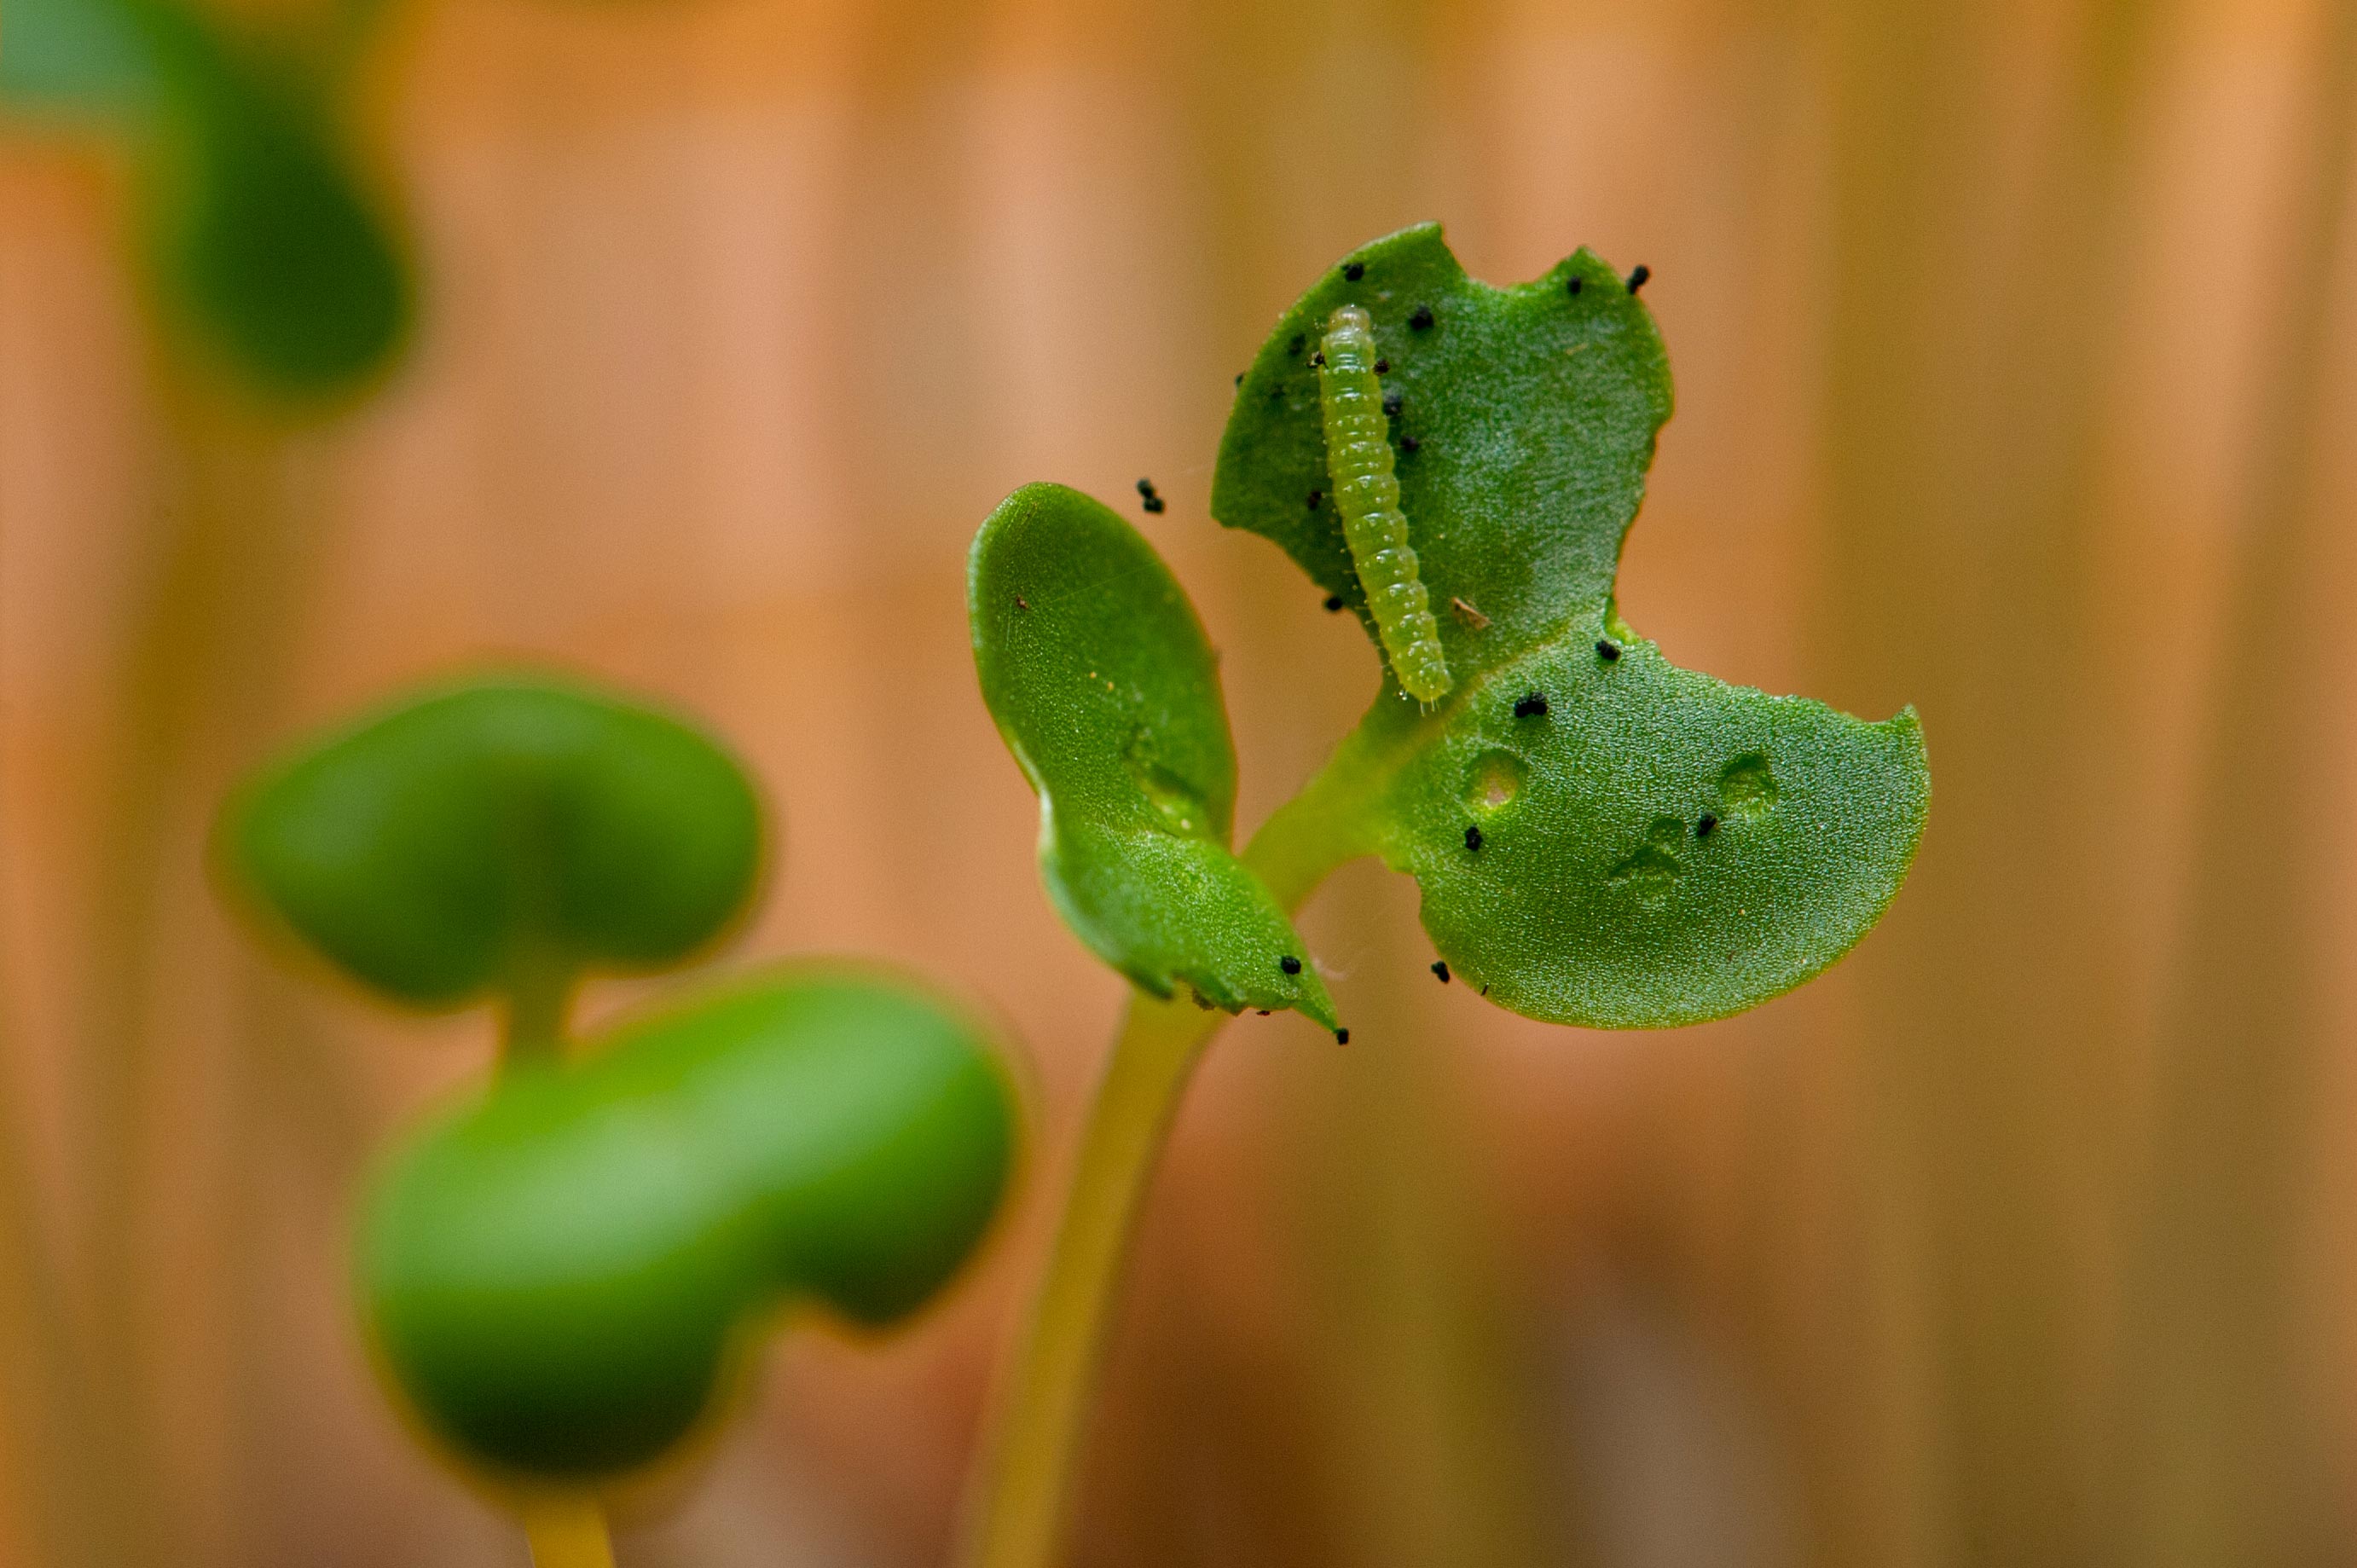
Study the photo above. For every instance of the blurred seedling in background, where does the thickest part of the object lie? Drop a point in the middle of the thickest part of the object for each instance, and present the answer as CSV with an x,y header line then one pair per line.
x,y
265,251
280,293
565,1274
1601,838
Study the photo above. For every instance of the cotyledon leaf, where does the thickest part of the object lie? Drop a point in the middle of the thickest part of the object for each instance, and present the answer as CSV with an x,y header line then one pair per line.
x,y
270,251
485,836
1098,673
279,259
559,1271
1601,837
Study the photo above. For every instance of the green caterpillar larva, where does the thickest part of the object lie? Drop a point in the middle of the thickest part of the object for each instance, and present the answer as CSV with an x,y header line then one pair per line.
x,y
1366,494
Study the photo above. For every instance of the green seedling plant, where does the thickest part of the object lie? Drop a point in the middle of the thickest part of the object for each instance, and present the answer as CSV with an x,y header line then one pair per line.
x,y
1601,838
564,1274
263,246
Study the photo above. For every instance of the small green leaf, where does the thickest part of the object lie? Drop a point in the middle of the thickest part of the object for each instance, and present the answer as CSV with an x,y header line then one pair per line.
x,y
486,836
280,266
277,259
1098,673
1641,845
270,255
559,1274
1660,847
1532,411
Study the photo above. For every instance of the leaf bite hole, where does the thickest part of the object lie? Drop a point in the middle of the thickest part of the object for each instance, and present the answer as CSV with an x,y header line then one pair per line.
x,y
1652,870
1747,788
1178,807
1494,781
1179,803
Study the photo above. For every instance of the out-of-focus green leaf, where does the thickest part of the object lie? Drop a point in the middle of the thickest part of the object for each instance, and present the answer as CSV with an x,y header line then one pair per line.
x,y
261,237
497,835
1094,665
558,1272
74,57
1641,845
271,256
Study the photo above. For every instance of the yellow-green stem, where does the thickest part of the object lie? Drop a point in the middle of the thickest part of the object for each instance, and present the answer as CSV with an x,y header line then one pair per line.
x,y
567,1532
531,1026
56,1474
1042,1424
201,676
1024,1499
567,1529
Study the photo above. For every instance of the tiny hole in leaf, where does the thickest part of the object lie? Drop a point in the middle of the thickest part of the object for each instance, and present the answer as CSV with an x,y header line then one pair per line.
x,y
1652,870
1495,783
1177,802
1747,788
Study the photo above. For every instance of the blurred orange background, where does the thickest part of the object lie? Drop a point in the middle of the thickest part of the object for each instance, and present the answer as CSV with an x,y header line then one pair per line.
x,y
2014,355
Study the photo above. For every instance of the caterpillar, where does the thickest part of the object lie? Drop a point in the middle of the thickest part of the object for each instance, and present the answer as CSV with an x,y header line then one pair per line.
x,y
1366,494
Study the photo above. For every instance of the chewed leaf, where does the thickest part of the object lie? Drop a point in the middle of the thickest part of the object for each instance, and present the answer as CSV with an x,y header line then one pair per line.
x,y
558,1272
488,835
1099,675
1601,838
1655,847
1524,425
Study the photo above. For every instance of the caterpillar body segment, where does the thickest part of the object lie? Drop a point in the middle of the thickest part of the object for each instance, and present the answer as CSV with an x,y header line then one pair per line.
x,y
1366,495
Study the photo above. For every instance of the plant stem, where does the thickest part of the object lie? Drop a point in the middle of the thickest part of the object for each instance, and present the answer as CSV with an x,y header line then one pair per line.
x,y
565,1529
201,676
567,1532
1019,1509
531,1024
56,1474
1031,1459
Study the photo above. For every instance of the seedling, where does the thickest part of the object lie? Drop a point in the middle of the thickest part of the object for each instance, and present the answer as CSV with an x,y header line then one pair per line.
x,y
563,1273
1601,838
265,249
